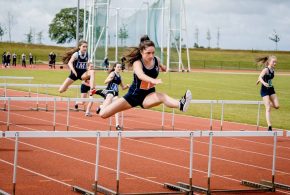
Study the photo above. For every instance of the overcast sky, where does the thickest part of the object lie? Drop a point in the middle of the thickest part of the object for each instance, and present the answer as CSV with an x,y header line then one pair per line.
x,y
244,24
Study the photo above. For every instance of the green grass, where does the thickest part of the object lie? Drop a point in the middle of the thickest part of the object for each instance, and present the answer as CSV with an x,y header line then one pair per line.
x,y
212,86
199,58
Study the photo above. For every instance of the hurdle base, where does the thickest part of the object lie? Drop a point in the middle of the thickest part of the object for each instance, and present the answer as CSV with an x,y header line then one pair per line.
x,y
276,185
80,190
3,192
258,186
177,188
38,109
255,187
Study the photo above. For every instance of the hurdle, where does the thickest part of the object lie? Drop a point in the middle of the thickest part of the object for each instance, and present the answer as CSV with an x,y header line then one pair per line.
x,y
276,184
254,187
98,135
38,86
15,78
49,99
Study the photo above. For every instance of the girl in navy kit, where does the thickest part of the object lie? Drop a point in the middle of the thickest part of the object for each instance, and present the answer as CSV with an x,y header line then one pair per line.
x,y
267,89
142,91
77,60
113,81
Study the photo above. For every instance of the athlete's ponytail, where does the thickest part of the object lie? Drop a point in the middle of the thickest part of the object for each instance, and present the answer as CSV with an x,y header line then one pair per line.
x,y
66,57
135,53
113,68
264,61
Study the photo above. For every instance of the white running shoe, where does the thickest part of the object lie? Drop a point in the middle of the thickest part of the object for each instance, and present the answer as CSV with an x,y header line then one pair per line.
x,y
185,101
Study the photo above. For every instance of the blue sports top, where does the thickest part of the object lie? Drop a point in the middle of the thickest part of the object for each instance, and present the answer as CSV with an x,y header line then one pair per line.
x,y
141,86
268,77
113,84
81,60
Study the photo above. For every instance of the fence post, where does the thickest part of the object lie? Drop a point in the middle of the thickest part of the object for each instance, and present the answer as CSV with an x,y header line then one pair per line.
x,y
258,115
29,89
8,114
222,115
190,162
15,163
46,94
162,117
54,113
203,64
118,163
274,161
97,162
173,118
209,162
67,116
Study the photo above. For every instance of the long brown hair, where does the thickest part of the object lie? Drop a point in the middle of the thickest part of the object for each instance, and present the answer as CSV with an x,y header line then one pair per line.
x,y
134,53
66,57
113,68
264,61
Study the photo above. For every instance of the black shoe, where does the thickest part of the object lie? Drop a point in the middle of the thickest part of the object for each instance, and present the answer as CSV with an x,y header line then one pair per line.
x,y
185,101
270,128
118,128
98,110
76,107
105,92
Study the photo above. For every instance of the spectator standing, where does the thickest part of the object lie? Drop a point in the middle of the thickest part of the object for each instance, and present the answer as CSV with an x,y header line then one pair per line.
x,y
23,60
14,57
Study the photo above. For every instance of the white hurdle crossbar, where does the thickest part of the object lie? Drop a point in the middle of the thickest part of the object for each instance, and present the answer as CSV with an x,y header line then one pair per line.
x,y
16,78
181,187
38,86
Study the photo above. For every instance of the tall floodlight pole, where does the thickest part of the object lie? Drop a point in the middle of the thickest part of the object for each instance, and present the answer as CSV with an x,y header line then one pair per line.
x,y
116,32
78,22
107,29
85,20
168,37
180,38
162,31
147,17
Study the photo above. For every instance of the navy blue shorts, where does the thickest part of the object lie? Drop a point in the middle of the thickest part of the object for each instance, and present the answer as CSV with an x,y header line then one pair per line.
x,y
267,91
137,99
84,88
80,72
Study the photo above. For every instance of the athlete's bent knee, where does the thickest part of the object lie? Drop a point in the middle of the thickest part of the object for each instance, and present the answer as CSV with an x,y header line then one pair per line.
x,y
103,114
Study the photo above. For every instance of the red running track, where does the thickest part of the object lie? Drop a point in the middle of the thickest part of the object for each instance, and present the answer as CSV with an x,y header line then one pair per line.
x,y
52,166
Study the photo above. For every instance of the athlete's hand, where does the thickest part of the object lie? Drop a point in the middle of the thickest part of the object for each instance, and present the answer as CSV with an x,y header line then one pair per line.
x,y
266,84
156,81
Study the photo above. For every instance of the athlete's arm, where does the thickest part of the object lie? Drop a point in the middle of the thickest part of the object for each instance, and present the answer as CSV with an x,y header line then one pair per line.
x,y
109,78
124,86
70,64
137,67
260,78
161,66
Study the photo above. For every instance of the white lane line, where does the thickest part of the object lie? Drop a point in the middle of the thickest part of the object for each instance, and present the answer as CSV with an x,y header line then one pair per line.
x,y
36,173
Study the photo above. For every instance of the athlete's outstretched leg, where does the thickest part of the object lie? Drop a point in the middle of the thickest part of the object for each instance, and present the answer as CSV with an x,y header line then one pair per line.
x,y
154,99
110,108
65,85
